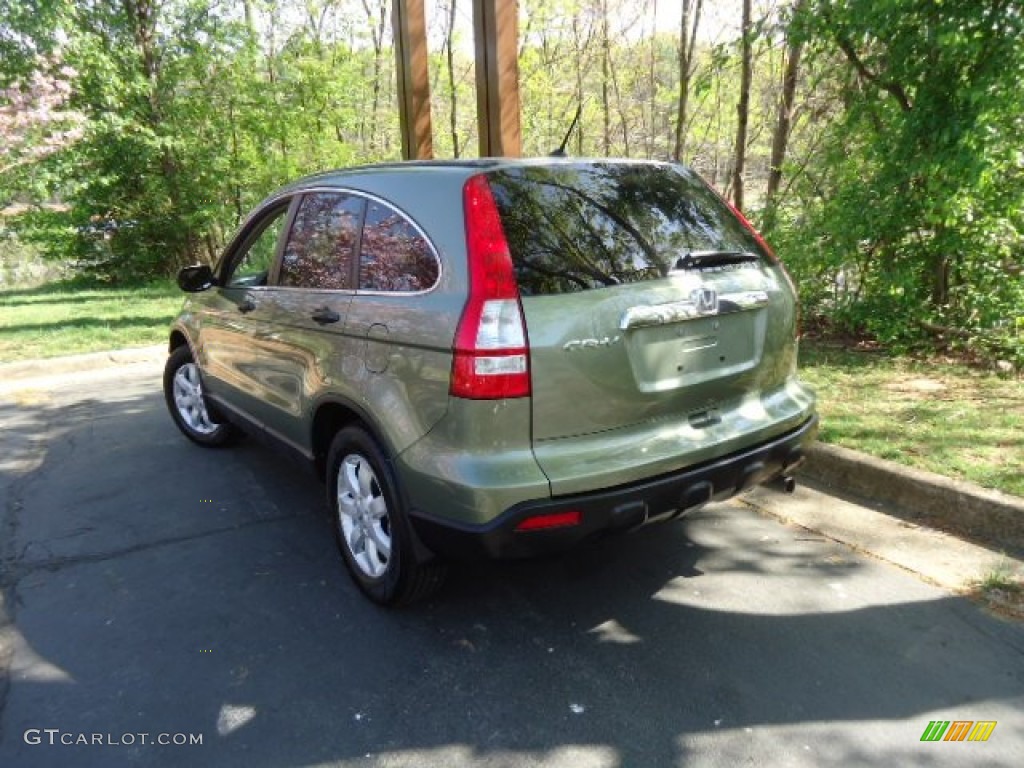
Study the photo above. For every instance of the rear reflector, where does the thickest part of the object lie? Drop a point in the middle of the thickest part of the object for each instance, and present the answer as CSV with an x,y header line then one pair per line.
x,y
552,520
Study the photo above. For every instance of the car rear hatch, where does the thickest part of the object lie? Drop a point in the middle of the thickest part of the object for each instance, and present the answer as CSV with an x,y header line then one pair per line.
x,y
661,331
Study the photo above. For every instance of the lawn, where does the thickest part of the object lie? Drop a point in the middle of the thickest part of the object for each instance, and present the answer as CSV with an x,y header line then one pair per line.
x,y
63,318
938,415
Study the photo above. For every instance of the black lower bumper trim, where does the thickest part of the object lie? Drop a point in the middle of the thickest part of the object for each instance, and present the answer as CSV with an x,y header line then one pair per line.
x,y
621,508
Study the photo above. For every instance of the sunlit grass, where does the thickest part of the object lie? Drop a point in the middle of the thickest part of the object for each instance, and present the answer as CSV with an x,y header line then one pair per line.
x,y
65,319
937,415
1002,591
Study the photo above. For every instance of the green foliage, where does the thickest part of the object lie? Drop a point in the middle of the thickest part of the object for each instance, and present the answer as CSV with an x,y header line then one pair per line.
x,y
913,222
189,122
901,209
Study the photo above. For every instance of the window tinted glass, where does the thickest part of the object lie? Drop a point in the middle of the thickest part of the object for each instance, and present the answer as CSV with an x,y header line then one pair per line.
x,y
394,256
576,227
252,264
319,250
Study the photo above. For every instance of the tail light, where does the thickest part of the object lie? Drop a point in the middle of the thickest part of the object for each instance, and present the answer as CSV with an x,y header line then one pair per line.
x,y
491,357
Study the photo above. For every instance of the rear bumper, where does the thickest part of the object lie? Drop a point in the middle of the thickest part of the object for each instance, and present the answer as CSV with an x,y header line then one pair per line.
x,y
622,508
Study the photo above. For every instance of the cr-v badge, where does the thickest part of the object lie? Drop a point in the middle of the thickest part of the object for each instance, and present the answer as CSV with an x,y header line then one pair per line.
x,y
575,344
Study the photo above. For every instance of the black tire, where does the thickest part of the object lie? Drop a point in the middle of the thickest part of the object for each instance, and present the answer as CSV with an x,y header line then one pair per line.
x,y
370,525
184,396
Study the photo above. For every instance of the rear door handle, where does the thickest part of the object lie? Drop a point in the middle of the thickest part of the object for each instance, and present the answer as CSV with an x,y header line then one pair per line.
x,y
247,305
324,316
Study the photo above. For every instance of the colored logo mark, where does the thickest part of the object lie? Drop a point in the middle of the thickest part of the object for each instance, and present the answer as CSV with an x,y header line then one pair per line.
x,y
958,730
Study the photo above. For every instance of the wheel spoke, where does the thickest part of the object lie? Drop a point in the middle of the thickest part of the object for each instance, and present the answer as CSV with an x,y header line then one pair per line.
x,y
370,554
378,509
188,398
351,479
366,479
381,542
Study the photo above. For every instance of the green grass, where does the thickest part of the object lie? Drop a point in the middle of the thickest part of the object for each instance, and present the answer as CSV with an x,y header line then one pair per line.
x,y
69,317
1001,591
938,415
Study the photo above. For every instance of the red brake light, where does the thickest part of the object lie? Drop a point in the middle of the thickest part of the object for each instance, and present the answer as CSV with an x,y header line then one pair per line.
x,y
491,359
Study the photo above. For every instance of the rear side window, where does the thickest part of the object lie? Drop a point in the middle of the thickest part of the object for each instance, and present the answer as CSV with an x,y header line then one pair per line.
x,y
393,255
578,227
321,244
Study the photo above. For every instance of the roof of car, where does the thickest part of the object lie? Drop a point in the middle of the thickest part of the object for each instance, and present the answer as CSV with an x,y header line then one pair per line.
x,y
368,177
471,164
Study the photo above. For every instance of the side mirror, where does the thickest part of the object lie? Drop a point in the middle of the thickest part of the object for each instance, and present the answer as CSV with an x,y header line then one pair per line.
x,y
196,278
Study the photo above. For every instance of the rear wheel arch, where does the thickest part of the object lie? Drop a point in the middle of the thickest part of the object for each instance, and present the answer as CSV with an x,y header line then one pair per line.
x,y
376,539
332,415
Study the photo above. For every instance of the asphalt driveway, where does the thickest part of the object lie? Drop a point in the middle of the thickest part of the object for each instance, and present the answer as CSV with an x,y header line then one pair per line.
x,y
155,591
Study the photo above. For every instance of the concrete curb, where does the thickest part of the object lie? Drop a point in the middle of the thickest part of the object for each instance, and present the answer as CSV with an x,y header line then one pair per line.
x,y
916,495
61,366
940,558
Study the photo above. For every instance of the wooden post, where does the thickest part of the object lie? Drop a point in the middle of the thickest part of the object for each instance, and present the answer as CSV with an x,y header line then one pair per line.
x,y
496,31
410,28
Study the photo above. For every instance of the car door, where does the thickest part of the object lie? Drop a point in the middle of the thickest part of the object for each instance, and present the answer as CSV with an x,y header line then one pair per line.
x,y
302,350
233,316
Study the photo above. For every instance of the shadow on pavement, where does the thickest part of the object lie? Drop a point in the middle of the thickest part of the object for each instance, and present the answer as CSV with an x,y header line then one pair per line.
x,y
159,587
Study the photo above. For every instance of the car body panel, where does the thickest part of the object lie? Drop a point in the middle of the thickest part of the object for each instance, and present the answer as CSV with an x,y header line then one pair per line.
x,y
475,463
399,369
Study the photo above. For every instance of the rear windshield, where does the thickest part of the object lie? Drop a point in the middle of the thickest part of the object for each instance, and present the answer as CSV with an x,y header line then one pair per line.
x,y
575,227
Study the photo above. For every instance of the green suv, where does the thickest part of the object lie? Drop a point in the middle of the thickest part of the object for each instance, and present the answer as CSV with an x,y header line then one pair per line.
x,y
497,357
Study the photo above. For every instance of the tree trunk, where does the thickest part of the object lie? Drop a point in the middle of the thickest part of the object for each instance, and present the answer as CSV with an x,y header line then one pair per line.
x,y
581,46
652,82
377,26
742,108
250,21
449,51
784,125
940,268
605,54
687,62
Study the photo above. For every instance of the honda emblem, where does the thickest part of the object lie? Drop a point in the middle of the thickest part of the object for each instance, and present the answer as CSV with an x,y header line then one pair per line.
x,y
705,300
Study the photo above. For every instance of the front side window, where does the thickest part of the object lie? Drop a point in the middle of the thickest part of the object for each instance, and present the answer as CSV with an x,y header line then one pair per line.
x,y
251,265
322,241
394,256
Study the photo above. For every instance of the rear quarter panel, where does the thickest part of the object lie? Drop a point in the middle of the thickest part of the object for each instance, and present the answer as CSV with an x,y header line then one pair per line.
x,y
399,365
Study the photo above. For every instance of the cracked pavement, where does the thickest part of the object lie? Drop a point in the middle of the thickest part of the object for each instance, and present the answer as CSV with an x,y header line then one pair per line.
x,y
151,586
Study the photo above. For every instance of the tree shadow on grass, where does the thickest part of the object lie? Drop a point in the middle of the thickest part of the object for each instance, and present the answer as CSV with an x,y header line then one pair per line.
x,y
71,291
84,323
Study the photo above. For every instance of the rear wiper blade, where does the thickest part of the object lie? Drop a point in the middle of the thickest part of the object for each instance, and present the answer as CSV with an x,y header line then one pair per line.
x,y
701,259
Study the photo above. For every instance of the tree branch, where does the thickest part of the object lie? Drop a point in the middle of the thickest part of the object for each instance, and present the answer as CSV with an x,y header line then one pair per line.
x,y
893,88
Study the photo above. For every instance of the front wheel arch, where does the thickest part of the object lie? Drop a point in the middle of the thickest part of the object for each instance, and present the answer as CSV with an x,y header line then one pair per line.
x,y
186,401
